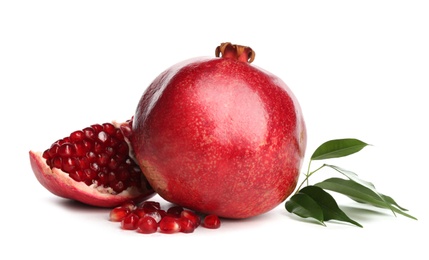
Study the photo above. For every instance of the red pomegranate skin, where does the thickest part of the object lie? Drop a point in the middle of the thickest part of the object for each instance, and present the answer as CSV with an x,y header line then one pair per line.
x,y
220,136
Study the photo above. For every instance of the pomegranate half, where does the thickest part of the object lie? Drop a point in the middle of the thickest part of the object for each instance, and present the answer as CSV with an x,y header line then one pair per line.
x,y
220,136
94,166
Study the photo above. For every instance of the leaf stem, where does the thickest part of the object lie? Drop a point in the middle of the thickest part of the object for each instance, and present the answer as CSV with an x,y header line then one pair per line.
x,y
307,175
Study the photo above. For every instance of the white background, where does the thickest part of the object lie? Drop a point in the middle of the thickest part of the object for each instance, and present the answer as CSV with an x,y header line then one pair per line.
x,y
359,69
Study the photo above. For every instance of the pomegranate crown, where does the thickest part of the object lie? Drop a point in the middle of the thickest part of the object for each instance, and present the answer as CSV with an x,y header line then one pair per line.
x,y
235,51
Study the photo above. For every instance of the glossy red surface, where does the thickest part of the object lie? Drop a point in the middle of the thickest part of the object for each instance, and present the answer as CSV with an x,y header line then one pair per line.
x,y
220,136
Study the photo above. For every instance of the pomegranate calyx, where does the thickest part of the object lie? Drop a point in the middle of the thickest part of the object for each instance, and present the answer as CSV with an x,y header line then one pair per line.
x,y
235,51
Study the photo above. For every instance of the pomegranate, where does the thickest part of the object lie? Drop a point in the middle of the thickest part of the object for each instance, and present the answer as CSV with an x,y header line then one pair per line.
x,y
94,166
219,135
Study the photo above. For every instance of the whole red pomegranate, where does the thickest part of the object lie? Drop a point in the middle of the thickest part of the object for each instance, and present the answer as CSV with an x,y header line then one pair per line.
x,y
220,136
94,166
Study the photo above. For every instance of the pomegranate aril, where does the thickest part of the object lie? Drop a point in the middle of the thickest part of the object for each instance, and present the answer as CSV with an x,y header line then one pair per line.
x,y
83,162
109,151
90,176
55,162
192,216
77,175
186,225
102,179
162,213
129,205
103,159
77,136
89,133
169,225
109,128
155,215
147,225
51,152
119,213
88,144
69,165
130,222
98,147
102,137
149,206
174,211
66,150
92,157
97,128
122,174
94,166
80,149
117,186
211,221
122,148
139,212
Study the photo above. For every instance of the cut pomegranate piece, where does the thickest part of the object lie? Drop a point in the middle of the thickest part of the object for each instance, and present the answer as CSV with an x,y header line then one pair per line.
x,y
94,166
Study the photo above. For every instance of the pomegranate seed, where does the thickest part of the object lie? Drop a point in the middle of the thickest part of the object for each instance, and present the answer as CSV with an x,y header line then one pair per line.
x,y
69,165
130,222
169,225
175,211
155,215
109,129
147,225
83,163
129,204
77,175
162,213
192,216
102,136
186,225
53,150
77,136
66,150
211,221
80,149
97,128
139,212
149,206
119,213
56,162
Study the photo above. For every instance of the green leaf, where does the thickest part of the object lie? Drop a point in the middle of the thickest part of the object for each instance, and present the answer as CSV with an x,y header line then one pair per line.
x,y
362,194
392,202
328,205
354,177
304,206
338,148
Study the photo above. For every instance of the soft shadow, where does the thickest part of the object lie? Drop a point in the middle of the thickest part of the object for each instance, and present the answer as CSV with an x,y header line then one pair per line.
x,y
360,214
299,219
76,206
364,214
